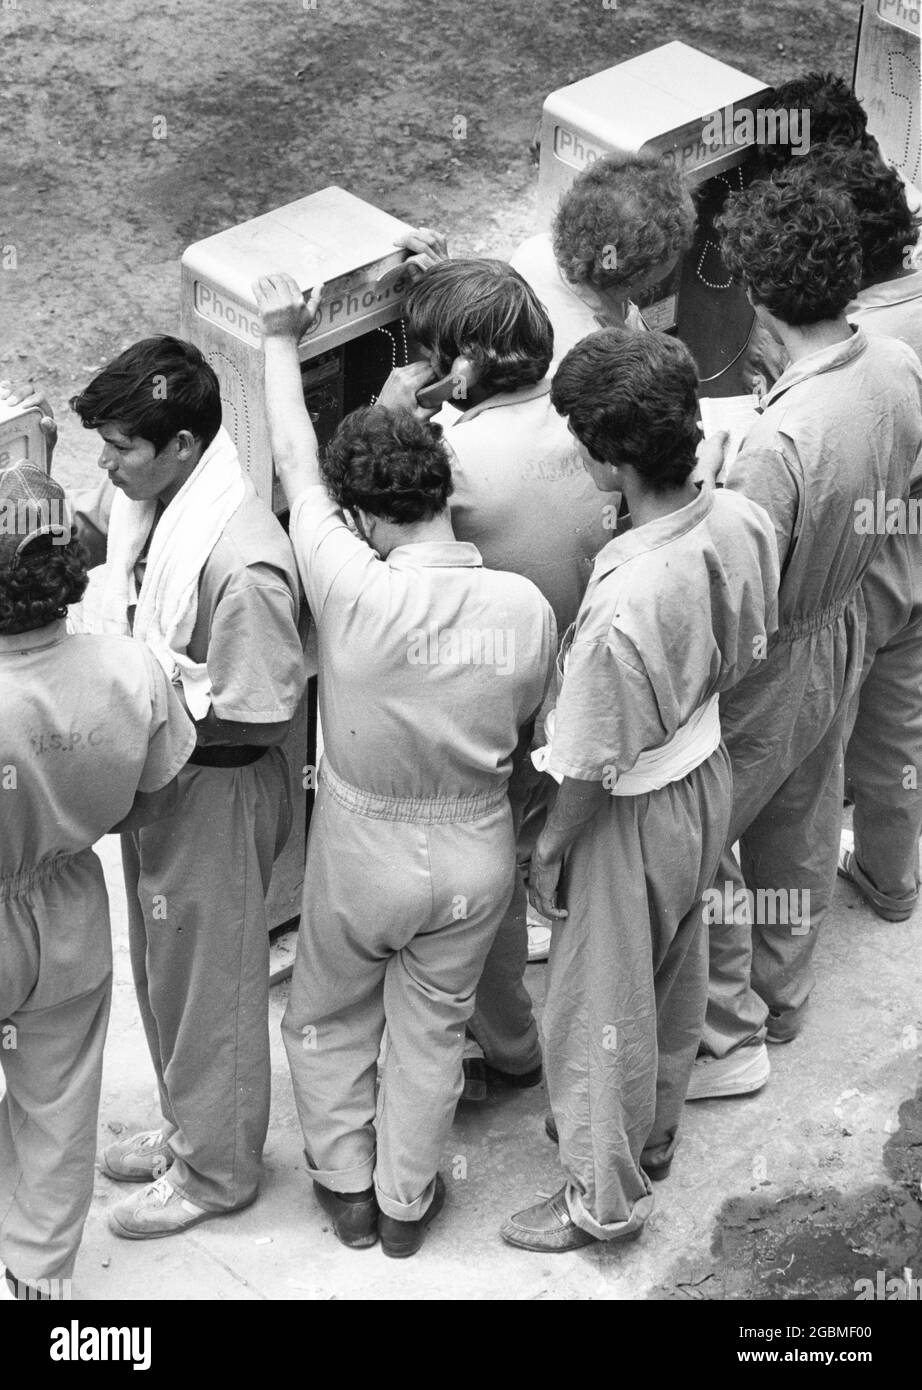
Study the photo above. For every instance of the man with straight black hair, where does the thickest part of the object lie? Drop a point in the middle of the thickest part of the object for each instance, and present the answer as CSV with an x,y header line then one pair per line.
x,y
196,566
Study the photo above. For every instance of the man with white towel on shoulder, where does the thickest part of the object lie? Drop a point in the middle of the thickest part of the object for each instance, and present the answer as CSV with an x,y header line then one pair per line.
x,y
196,566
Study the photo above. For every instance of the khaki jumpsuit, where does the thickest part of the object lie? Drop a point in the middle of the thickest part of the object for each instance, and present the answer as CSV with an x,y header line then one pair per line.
x,y
674,613
87,722
838,427
430,665
196,881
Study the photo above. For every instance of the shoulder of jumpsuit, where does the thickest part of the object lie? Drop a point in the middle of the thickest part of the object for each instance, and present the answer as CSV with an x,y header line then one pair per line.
x,y
535,255
504,399
335,557
751,515
90,509
816,364
892,309
885,294
254,539
644,540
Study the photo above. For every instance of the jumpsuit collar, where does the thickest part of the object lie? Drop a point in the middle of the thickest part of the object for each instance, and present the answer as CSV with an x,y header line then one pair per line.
x,y
14,643
888,293
435,555
827,359
524,393
651,536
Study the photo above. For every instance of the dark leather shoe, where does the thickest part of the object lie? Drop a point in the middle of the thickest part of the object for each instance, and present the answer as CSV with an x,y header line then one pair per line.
x,y
402,1238
354,1215
519,1080
475,1079
546,1227
654,1171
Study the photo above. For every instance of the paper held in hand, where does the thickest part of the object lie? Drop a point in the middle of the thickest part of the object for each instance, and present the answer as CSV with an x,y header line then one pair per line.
x,y
732,413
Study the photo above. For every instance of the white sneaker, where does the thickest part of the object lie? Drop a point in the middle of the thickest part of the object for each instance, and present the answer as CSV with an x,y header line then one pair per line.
x,y
741,1073
539,935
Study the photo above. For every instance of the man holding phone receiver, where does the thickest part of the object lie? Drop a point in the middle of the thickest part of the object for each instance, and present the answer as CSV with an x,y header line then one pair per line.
x,y
523,498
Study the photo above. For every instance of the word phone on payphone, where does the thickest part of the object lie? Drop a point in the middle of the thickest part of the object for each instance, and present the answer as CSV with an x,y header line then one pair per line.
x,y
682,104
357,338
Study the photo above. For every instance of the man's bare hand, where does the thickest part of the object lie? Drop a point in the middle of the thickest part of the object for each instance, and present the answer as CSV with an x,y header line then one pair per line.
x,y
399,391
429,248
283,310
543,883
28,397
711,453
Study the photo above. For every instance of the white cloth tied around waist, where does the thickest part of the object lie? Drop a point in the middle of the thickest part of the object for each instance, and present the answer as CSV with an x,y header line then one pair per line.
x,y
185,536
690,746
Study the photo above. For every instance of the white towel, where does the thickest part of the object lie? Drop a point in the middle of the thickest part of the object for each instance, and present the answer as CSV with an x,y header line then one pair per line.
x,y
691,745
186,534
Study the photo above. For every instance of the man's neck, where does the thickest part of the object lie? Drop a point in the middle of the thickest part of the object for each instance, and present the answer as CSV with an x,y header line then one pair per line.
x,y
803,339
438,529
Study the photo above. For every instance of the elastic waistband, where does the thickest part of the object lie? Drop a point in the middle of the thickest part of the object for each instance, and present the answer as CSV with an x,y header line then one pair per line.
x,y
802,627
428,810
17,884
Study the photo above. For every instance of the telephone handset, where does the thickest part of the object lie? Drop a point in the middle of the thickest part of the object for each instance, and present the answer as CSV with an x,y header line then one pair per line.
x,y
453,388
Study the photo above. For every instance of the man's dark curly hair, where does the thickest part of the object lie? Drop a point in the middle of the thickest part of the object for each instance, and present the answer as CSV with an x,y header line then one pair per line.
x,y
795,244
836,116
484,310
41,586
632,398
887,227
390,464
625,215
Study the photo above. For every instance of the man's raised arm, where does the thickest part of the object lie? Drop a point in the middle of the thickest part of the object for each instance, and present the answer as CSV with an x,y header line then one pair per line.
x,y
285,319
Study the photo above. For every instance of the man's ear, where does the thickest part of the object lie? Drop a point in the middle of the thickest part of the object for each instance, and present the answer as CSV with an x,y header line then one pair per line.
x,y
186,443
365,523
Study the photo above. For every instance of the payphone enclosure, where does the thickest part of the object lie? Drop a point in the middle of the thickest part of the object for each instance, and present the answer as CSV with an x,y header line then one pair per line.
x,y
21,437
888,81
686,106
357,338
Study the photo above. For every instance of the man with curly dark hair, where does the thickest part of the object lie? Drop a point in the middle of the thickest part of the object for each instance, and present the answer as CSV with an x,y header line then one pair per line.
x,y
90,731
674,614
880,855
842,424
836,116
620,228
432,670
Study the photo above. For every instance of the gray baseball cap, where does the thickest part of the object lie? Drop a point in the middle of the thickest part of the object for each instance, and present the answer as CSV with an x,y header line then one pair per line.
x,y
32,505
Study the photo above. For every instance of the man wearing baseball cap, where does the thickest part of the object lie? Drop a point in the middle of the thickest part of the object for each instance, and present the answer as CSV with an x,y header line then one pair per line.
x,y
91,733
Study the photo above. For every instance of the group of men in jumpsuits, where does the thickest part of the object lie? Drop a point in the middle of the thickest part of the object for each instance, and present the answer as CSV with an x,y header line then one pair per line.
x,y
560,647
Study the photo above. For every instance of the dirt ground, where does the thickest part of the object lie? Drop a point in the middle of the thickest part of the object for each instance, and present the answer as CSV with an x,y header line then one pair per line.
x,y
793,1194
